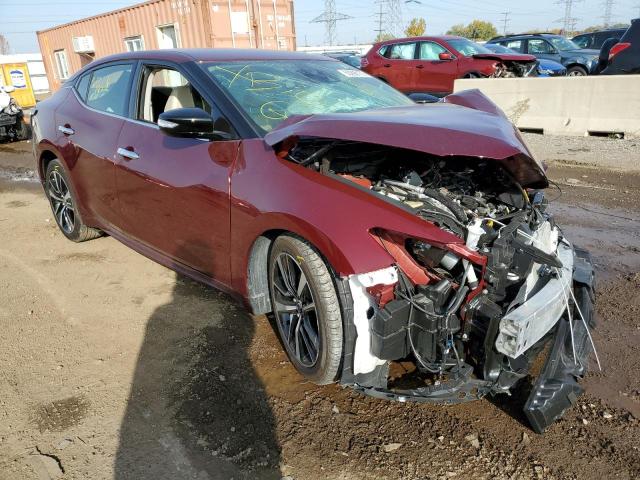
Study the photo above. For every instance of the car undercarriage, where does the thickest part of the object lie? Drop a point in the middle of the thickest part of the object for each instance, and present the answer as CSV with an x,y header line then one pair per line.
x,y
469,319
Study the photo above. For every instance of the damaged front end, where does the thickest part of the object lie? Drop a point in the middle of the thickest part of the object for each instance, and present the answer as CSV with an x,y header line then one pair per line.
x,y
455,321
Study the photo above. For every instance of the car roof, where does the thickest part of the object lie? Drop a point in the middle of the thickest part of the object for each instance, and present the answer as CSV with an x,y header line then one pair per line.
x,y
182,55
418,39
524,35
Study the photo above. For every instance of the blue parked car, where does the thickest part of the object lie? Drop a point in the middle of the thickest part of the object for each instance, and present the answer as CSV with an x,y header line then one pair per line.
x,y
546,68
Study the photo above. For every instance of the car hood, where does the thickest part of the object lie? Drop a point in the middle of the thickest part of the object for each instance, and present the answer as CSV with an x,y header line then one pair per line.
x,y
465,124
505,57
587,52
546,64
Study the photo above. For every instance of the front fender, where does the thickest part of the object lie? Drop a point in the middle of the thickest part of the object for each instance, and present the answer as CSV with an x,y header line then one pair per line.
x,y
269,194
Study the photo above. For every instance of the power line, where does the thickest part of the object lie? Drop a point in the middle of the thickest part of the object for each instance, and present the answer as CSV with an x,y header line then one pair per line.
x,y
505,21
608,9
329,17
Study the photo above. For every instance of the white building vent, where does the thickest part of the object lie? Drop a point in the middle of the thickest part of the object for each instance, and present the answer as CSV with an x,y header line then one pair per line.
x,y
83,44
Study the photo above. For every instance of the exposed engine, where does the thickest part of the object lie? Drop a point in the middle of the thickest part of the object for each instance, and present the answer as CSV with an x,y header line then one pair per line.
x,y
515,69
448,312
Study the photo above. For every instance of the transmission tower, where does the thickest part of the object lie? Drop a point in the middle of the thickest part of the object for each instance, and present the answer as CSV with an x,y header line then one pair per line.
x,y
568,22
608,9
394,16
329,17
505,21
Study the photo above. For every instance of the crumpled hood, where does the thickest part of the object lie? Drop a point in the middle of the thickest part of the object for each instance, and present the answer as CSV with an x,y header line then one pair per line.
x,y
506,57
466,124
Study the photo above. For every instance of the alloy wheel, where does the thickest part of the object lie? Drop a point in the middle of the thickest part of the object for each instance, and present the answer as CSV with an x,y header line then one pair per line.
x,y
61,202
295,310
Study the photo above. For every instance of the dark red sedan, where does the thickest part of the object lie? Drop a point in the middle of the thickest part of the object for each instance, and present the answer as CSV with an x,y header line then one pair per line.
x,y
431,64
373,230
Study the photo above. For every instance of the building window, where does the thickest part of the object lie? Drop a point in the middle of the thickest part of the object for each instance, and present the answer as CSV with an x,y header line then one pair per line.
x,y
61,64
167,36
134,44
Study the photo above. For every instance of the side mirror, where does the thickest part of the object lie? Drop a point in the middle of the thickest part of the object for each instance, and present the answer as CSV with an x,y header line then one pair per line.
x,y
445,56
8,88
190,122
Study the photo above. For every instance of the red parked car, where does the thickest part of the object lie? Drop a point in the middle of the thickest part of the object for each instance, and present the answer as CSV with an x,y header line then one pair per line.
x,y
373,229
431,64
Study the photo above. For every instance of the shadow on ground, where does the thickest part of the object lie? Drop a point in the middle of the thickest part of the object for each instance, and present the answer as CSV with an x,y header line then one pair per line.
x,y
196,407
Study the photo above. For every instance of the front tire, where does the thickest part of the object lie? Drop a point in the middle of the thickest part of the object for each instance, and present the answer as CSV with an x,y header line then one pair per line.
x,y
576,71
64,206
306,309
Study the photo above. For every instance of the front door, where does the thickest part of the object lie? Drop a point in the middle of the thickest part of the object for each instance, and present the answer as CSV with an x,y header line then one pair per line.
x,y
174,192
431,74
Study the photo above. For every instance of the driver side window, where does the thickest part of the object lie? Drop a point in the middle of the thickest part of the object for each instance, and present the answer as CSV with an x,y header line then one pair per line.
x,y
431,51
540,46
166,89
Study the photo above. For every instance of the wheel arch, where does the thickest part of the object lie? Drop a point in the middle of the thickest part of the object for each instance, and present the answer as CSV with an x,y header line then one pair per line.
x,y
46,156
257,275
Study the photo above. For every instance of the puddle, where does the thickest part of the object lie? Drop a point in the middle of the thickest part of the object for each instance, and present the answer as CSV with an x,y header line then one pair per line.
x,y
611,235
19,175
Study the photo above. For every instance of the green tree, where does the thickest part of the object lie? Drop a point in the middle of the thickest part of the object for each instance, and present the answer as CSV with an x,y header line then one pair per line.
x,y
476,30
416,27
383,37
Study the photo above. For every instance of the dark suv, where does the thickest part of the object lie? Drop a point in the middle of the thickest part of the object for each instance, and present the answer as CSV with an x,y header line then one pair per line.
x,y
594,40
579,61
624,56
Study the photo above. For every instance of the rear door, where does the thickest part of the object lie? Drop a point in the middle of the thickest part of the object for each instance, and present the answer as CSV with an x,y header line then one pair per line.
x,y
399,66
431,74
89,124
174,192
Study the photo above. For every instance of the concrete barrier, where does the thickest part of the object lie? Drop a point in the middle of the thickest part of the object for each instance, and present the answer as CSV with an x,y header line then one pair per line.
x,y
597,105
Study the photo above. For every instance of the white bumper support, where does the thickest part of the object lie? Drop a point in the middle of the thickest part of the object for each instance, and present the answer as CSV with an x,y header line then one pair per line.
x,y
363,360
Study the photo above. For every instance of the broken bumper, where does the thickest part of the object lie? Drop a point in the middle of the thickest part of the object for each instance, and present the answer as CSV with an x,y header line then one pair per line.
x,y
557,388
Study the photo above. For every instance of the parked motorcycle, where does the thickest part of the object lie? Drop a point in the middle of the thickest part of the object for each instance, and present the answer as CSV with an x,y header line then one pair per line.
x,y
12,125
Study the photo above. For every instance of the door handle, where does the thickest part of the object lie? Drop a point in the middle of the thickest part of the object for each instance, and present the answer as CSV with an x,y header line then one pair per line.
x,y
419,66
129,154
66,130
386,65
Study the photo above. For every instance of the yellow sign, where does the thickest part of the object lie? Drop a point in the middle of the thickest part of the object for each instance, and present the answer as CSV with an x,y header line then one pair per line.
x,y
17,74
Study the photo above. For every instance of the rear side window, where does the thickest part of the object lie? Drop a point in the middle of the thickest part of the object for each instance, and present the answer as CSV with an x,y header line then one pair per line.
x,y
402,51
82,86
109,89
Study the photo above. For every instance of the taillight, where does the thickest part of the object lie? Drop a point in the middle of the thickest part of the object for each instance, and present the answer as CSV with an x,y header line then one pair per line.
x,y
364,62
617,48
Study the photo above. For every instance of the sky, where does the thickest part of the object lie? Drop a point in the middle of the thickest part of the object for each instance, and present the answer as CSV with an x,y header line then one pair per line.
x,y
20,19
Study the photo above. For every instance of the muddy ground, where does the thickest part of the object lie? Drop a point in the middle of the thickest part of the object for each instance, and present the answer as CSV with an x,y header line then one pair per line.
x,y
113,367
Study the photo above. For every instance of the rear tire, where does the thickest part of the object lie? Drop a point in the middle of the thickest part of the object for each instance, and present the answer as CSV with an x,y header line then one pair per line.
x,y
306,309
64,205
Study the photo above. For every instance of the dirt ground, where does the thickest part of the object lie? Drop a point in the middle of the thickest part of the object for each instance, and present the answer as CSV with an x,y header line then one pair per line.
x,y
113,367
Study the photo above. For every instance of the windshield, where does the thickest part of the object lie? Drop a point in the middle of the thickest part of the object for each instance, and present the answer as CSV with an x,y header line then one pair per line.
x,y
272,91
467,47
563,44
